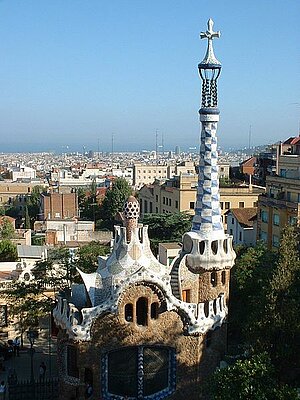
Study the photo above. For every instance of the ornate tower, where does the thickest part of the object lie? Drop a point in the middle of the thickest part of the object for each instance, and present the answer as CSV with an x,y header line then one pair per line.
x,y
138,329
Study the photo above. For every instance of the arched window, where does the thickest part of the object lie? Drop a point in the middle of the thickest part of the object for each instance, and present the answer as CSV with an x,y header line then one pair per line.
x,y
215,306
214,246
213,278
129,312
201,246
223,277
142,311
206,309
154,310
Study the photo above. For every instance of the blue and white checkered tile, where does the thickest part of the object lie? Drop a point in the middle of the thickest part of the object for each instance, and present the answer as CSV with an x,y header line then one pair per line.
x,y
207,212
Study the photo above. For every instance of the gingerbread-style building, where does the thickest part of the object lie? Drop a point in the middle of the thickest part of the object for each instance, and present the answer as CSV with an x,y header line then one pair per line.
x,y
137,329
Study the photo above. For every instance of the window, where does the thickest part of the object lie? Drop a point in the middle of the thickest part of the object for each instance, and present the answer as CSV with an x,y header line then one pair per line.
x,y
156,198
264,216
142,311
176,203
225,218
213,278
129,312
275,240
170,202
150,205
223,277
72,369
145,206
283,172
135,371
240,236
263,236
164,200
156,210
255,204
288,196
192,205
227,205
230,232
154,310
276,219
222,205
186,295
241,204
293,220
232,221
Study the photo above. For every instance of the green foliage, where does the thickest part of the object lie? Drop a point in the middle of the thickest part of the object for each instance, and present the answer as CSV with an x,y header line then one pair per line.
x,y
264,305
87,256
58,270
166,227
7,230
37,240
27,304
114,201
8,251
33,203
27,219
250,379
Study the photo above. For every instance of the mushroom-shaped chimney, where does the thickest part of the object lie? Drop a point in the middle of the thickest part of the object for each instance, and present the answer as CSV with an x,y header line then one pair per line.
x,y
131,214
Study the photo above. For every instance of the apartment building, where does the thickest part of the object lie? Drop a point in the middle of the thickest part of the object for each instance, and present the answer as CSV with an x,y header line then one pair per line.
x,y
179,195
280,205
11,191
58,205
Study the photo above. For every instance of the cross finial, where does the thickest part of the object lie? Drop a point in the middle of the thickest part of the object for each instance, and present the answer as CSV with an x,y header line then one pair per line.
x,y
210,34
210,58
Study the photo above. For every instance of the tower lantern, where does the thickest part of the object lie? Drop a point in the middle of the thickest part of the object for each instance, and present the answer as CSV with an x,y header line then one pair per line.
x,y
209,69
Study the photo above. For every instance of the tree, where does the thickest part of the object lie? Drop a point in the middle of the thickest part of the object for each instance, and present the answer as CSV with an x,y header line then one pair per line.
x,y
87,256
58,270
264,305
8,251
114,201
249,379
166,227
7,230
278,328
27,304
33,202
27,218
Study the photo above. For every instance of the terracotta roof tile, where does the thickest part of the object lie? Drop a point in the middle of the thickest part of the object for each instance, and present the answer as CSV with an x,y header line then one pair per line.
x,y
244,216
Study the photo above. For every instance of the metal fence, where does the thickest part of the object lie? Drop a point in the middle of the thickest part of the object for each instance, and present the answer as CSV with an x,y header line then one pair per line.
x,y
26,390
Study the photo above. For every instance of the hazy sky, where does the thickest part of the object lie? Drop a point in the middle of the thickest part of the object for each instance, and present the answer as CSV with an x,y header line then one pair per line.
x,y
73,71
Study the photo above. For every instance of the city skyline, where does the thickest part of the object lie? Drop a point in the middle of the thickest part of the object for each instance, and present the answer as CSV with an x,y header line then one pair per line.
x,y
78,72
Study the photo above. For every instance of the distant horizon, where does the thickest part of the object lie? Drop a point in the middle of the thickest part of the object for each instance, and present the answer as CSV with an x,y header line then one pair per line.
x,y
79,149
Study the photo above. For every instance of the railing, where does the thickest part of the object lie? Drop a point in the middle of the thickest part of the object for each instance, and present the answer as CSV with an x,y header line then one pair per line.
x,y
40,390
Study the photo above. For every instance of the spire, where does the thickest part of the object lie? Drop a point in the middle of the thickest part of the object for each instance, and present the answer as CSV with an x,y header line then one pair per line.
x,y
209,69
207,221
210,58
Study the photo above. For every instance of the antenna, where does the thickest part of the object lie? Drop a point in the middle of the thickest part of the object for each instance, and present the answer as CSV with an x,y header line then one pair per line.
x,y
112,150
250,133
156,145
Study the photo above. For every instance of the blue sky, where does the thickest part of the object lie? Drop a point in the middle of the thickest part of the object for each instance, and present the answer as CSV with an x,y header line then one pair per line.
x,y
73,71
